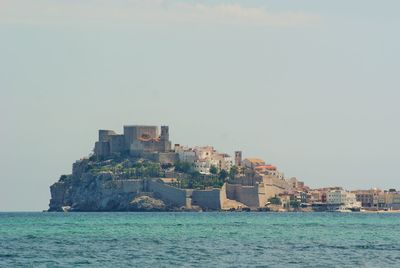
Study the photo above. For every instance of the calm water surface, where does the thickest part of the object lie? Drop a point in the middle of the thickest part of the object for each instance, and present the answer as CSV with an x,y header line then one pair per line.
x,y
199,240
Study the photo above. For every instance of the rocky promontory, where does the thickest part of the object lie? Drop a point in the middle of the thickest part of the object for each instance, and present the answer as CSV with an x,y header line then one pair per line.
x,y
110,185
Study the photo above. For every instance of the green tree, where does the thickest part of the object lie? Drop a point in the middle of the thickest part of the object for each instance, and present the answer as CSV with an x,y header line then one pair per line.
x,y
153,170
213,170
195,174
183,167
233,171
223,174
275,200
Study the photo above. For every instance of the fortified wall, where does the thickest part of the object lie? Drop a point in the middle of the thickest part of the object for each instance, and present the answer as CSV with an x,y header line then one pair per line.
x,y
207,199
138,141
274,186
251,196
167,193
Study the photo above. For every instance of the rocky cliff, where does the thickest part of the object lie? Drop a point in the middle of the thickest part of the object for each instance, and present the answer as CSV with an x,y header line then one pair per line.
x,y
103,186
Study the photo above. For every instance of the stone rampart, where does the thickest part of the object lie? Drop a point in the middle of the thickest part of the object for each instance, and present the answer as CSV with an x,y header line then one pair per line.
x,y
274,186
247,195
102,148
133,133
207,199
104,134
129,186
168,194
117,143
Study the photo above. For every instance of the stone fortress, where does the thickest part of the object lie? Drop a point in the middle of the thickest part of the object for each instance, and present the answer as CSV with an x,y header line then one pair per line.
x,y
139,141
254,185
251,188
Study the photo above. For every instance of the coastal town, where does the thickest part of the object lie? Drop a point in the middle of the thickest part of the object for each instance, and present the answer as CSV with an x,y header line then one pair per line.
x,y
141,170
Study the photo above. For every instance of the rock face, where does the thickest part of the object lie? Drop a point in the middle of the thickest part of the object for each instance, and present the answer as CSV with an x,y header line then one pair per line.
x,y
146,203
101,192
125,184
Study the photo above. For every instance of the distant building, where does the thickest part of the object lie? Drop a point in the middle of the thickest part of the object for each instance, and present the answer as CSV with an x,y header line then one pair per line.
x,y
203,158
238,158
378,199
368,198
342,198
185,154
253,162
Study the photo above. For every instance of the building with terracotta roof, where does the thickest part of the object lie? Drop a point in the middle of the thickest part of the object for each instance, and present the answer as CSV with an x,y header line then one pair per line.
x,y
253,162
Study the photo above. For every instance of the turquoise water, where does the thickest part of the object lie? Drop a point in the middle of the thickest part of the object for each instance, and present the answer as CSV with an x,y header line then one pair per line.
x,y
199,240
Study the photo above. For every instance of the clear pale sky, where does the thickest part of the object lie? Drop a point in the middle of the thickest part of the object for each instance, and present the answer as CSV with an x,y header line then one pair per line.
x,y
310,86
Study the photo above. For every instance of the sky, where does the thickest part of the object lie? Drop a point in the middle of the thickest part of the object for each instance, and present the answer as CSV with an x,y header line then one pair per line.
x,y
310,86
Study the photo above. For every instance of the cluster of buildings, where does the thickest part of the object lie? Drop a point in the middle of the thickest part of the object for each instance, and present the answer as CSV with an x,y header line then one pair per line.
x,y
377,199
333,198
255,183
148,142
203,158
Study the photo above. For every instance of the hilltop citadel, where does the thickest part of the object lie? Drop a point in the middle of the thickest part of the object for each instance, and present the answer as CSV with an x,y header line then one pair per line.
x,y
127,170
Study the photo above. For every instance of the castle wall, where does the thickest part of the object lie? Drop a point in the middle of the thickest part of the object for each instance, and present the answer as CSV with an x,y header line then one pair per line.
x,y
223,197
129,186
244,180
272,191
165,146
207,199
102,148
150,146
104,134
117,143
247,195
274,186
168,194
133,133
262,197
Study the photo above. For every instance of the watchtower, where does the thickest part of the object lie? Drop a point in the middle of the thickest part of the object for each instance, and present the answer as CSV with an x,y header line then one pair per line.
x,y
164,133
238,158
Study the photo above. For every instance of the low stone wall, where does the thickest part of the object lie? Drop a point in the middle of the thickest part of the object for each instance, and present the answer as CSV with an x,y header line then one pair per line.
x,y
168,194
207,199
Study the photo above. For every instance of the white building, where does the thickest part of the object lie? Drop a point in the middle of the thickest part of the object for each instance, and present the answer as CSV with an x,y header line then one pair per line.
x,y
222,161
202,166
336,197
204,158
185,153
343,198
204,152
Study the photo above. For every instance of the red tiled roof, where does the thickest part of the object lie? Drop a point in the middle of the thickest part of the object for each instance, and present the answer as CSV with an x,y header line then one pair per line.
x,y
269,167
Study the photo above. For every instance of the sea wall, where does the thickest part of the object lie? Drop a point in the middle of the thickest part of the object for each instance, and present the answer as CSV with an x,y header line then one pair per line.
x,y
168,194
207,199
247,195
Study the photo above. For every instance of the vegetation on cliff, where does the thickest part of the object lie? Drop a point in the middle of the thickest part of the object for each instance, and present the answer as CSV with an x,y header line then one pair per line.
x,y
95,184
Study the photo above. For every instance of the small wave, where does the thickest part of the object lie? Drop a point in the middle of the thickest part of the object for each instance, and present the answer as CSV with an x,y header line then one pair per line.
x,y
8,255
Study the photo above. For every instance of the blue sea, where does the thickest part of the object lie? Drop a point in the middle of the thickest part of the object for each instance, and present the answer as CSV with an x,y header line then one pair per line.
x,y
235,239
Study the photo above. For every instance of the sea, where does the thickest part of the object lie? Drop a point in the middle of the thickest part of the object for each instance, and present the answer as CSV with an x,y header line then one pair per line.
x,y
205,239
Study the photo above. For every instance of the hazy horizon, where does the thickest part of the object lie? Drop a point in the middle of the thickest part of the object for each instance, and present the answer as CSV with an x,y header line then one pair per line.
x,y
308,86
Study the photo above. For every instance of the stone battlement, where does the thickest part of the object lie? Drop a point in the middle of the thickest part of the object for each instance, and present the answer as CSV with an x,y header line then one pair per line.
x,y
136,140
